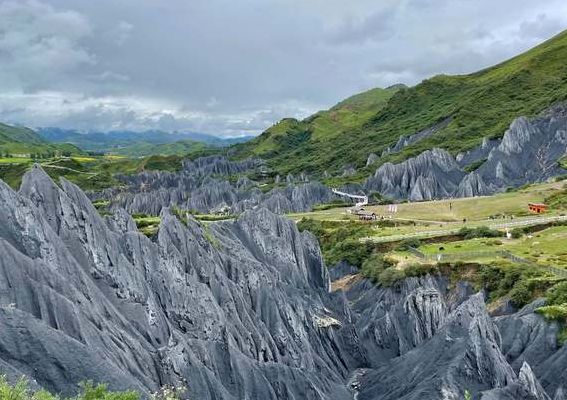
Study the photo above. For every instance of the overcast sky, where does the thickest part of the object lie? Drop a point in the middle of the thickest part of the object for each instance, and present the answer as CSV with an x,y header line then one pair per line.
x,y
233,67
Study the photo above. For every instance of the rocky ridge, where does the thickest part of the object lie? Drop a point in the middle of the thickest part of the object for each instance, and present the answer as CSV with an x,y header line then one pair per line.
x,y
204,185
529,152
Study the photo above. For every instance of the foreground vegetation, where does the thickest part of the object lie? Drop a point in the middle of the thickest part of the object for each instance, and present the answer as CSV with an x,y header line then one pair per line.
x,y
88,391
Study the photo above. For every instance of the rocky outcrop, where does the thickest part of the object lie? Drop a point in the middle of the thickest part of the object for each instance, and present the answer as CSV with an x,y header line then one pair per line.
x,y
528,152
372,158
463,354
433,174
405,141
477,154
230,308
527,337
472,185
529,381
203,185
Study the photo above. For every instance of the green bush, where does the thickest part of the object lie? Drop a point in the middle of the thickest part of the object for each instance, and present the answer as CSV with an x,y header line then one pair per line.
x,y
373,266
409,243
419,270
340,240
554,313
521,283
390,277
557,294
517,233
89,391
480,232
521,294
352,251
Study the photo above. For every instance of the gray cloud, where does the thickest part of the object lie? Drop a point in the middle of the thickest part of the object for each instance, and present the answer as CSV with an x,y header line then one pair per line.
x,y
231,68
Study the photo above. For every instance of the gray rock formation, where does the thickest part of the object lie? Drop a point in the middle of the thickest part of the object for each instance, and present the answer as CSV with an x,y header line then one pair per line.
x,y
372,158
528,152
240,310
529,381
433,174
527,337
203,185
233,308
478,153
405,141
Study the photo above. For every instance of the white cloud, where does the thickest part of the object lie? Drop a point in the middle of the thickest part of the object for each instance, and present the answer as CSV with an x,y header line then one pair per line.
x,y
226,67
39,45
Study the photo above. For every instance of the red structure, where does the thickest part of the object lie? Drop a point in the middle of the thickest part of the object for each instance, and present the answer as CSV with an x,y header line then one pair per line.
x,y
537,208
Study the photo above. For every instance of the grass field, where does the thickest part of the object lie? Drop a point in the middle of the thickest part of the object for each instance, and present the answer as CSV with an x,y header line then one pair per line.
x,y
546,248
14,160
455,210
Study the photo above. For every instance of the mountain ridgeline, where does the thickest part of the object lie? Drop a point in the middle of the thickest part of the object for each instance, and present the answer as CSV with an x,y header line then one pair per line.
x,y
129,143
464,111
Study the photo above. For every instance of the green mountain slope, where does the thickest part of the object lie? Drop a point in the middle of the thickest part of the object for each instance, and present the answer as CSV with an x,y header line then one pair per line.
x,y
179,148
480,104
290,135
15,140
10,134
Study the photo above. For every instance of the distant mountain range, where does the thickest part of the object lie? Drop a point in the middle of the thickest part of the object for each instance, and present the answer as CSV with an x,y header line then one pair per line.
x,y
138,143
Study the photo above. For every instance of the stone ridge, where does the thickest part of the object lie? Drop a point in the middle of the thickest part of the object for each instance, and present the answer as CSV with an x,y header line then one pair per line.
x,y
529,152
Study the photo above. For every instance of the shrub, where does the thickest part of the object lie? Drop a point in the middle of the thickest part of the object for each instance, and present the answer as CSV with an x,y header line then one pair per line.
x,y
390,277
521,294
554,313
480,232
517,233
419,270
557,294
89,391
373,266
409,243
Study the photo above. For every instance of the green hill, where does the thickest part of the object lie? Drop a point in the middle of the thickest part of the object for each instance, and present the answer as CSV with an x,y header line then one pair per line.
x,y
15,140
18,134
480,104
179,148
291,136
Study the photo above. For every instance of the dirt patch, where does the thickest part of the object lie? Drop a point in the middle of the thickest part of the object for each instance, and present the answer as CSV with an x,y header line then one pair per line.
x,y
346,282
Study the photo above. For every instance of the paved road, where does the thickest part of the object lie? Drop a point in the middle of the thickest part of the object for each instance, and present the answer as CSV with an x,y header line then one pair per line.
x,y
494,224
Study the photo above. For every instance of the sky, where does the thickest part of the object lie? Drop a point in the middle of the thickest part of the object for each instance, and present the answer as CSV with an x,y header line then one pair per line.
x,y
234,67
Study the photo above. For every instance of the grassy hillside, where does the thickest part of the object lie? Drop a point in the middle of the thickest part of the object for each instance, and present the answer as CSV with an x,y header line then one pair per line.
x,y
16,140
18,134
480,104
182,147
291,136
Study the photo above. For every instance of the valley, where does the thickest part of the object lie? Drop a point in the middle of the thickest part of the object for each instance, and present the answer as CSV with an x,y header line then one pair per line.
x,y
408,243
